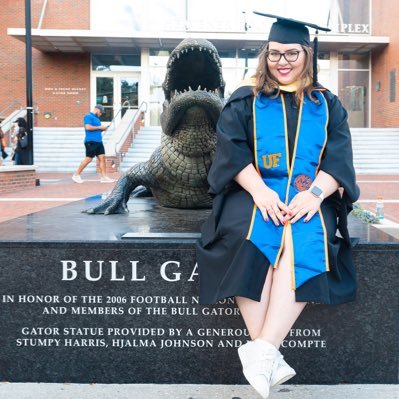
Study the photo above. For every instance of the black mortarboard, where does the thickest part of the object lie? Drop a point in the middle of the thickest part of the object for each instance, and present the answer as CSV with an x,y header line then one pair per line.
x,y
287,30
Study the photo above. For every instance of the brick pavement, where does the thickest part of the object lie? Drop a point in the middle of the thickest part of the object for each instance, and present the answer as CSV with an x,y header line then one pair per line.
x,y
59,189
55,189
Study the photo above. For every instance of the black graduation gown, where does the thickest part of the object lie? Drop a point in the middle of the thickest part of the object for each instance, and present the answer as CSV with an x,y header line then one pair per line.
x,y
228,264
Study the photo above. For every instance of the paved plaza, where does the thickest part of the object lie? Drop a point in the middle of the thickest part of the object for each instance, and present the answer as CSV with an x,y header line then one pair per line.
x,y
58,189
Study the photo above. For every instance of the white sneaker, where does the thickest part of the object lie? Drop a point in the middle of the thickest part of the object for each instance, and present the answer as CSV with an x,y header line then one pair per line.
x,y
77,179
258,360
106,179
282,371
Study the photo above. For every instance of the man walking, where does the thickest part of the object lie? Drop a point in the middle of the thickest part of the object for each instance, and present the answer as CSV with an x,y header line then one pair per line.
x,y
94,144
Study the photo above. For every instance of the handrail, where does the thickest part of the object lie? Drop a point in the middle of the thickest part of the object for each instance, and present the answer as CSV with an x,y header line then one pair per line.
x,y
39,25
123,137
109,129
8,121
12,105
120,110
116,140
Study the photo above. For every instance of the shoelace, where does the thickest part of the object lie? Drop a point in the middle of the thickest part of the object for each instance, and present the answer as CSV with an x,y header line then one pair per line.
x,y
266,364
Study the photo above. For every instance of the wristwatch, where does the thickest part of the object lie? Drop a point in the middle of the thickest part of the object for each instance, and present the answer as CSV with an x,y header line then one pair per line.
x,y
317,192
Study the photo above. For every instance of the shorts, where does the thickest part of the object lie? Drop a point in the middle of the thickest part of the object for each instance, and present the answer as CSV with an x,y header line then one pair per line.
x,y
94,149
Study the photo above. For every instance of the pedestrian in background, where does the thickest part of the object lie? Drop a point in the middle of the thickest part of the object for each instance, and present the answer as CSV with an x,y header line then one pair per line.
x,y
3,155
93,144
21,151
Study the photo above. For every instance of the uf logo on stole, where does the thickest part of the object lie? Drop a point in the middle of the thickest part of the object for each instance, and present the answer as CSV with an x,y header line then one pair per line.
x,y
271,160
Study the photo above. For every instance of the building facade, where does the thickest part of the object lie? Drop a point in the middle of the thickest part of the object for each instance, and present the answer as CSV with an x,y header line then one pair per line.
x,y
115,52
385,66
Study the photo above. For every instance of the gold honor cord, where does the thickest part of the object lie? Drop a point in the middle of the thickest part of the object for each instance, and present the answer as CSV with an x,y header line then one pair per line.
x,y
317,171
256,167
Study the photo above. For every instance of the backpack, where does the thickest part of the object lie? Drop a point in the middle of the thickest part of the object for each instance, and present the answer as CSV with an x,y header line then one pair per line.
x,y
23,141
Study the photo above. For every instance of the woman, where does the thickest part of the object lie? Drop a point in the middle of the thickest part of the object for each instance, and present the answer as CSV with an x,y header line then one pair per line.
x,y
3,154
283,152
21,152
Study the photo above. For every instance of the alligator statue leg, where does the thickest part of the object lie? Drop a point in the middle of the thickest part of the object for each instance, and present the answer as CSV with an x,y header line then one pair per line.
x,y
116,202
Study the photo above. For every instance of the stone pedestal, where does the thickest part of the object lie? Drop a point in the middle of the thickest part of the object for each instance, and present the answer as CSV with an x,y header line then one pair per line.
x,y
114,299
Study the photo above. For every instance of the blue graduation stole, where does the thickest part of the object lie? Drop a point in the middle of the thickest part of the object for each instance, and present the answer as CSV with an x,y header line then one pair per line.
x,y
309,240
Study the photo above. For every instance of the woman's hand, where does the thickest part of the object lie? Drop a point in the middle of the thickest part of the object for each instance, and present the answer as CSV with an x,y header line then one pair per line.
x,y
304,203
265,198
270,205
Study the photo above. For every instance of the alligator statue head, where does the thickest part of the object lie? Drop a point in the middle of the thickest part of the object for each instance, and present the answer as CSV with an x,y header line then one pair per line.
x,y
193,80
176,173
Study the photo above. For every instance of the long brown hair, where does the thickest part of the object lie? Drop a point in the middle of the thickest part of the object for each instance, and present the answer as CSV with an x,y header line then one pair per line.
x,y
266,83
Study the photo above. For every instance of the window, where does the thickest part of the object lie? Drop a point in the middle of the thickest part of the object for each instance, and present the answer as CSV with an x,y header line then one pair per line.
x,y
111,62
392,85
353,86
353,61
351,16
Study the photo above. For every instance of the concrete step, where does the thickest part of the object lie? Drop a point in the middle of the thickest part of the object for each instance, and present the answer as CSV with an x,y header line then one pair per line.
x,y
137,151
380,156
390,158
145,145
375,172
74,164
383,154
184,391
365,143
144,136
375,151
372,147
375,132
377,166
151,128
145,140
393,137
387,135
65,145
141,134
75,161
63,169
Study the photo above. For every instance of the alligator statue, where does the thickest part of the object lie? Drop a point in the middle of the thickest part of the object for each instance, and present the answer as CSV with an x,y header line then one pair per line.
x,y
176,173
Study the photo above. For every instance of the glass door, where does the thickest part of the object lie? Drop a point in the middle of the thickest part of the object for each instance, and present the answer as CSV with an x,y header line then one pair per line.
x,y
105,96
129,92
117,92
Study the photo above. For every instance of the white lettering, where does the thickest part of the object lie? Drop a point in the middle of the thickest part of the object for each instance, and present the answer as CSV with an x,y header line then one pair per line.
x,y
134,271
113,271
88,270
194,273
163,271
68,266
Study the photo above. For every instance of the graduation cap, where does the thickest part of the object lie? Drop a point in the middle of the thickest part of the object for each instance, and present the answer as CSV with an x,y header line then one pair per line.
x,y
287,30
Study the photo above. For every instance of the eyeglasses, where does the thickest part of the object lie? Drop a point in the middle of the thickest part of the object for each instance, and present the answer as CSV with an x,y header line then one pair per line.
x,y
290,56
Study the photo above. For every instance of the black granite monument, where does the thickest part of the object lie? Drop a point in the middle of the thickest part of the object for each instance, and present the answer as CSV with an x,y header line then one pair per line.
x,y
114,300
